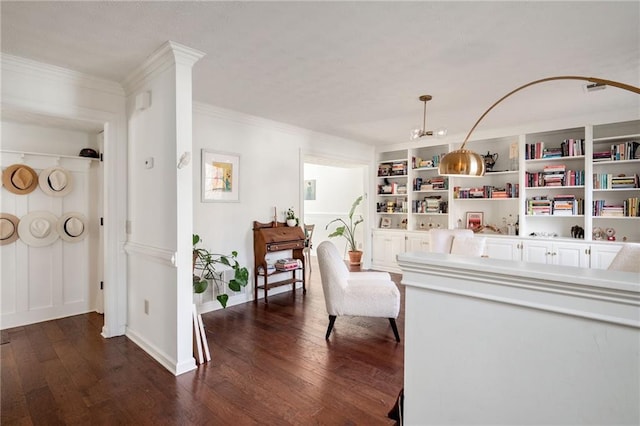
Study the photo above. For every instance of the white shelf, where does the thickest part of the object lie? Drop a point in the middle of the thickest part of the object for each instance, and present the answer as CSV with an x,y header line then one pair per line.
x,y
555,216
555,159
393,176
487,174
392,195
615,138
617,217
395,213
431,191
425,169
486,199
617,190
546,188
612,162
431,214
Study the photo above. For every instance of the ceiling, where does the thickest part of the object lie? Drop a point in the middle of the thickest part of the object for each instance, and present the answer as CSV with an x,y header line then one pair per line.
x,y
354,69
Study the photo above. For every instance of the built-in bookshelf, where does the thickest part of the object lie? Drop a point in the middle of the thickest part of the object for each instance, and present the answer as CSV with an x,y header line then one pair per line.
x,y
586,177
392,190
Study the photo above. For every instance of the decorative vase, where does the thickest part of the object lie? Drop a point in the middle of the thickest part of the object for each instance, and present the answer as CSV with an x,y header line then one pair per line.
x,y
291,222
355,257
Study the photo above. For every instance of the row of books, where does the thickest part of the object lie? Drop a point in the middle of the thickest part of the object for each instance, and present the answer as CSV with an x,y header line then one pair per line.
x,y
389,206
611,181
437,182
392,168
391,188
560,205
568,148
629,208
433,161
619,151
433,204
509,190
555,175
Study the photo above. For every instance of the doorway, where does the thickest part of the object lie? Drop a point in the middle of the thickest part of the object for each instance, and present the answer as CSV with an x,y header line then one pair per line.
x,y
330,187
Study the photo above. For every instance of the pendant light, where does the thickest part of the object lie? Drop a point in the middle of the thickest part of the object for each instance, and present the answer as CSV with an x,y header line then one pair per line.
x,y
420,133
468,163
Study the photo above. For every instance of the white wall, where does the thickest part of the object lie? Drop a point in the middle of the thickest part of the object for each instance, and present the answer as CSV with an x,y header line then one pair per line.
x,y
271,175
336,190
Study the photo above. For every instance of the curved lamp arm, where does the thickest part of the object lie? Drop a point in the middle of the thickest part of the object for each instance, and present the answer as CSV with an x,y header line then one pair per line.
x,y
563,77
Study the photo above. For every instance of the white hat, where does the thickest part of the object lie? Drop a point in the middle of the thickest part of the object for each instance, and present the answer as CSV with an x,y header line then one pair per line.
x,y
8,228
72,227
56,181
38,229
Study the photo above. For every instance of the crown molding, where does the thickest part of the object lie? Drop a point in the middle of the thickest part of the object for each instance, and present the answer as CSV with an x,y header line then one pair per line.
x,y
170,53
42,70
256,121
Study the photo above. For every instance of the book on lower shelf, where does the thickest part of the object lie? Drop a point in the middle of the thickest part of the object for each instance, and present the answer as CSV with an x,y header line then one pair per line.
x,y
287,264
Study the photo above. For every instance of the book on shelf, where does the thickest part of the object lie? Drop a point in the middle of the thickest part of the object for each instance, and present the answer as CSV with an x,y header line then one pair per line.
x,y
287,264
630,207
568,148
610,181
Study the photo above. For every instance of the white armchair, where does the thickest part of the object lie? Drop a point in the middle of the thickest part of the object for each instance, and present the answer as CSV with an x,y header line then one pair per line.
x,y
456,241
370,294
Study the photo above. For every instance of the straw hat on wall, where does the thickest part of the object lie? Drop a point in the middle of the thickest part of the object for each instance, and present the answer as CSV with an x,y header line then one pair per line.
x,y
8,228
56,181
19,179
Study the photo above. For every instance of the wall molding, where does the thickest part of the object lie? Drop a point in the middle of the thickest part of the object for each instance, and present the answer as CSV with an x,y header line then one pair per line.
x,y
160,356
58,74
256,121
155,254
170,53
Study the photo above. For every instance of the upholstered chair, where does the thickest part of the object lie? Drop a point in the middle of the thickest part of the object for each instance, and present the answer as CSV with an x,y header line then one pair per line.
x,y
627,259
456,241
367,294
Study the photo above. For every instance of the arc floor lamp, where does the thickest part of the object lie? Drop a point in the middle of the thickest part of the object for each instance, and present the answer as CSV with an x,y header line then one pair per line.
x,y
466,162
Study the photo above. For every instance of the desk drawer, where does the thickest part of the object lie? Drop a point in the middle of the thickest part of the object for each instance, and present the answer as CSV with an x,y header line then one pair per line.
x,y
285,245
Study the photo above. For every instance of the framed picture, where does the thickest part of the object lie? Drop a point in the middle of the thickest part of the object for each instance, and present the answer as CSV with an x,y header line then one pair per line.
x,y
310,189
474,219
385,223
220,176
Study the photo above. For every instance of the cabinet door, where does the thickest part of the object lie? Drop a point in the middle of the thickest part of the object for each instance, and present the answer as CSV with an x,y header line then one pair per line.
x,y
506,249
602,255
418,242
385,248
537,251
571,254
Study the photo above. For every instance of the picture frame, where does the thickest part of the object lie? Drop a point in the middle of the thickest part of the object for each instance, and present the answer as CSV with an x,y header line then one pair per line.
x,y
310,190
474,220
220,177
385,223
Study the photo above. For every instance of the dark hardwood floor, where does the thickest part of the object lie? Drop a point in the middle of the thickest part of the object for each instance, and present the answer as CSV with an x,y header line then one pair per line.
x,y
271,365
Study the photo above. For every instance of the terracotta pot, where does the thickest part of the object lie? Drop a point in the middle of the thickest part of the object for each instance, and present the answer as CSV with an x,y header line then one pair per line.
x,y
355,257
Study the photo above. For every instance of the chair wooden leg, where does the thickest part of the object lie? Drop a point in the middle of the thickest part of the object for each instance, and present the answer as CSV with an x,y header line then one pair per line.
x,y
332,320
392,321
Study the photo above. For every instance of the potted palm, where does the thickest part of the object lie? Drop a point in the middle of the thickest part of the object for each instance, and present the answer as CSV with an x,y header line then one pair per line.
x,y
348,231
205,269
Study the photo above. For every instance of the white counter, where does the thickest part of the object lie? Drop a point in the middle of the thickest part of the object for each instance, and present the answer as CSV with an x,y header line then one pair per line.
x,y
502,342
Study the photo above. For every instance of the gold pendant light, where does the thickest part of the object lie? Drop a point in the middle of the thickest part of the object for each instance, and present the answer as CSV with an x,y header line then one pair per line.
x,y
468,163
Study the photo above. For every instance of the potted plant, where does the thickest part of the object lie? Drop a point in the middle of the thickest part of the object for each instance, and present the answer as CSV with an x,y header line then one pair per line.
x,y
292,220
205,268
348,231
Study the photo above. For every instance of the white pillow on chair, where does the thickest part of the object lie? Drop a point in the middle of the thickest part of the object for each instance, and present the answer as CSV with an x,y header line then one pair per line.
x,y
468,246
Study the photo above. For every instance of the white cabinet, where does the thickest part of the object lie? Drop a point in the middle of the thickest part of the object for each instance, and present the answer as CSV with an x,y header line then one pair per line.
x,y
385,247
556,253
417,241
503,248
603,254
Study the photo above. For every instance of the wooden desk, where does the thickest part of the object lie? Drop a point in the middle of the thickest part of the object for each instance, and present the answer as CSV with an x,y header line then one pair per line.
x,y
275,237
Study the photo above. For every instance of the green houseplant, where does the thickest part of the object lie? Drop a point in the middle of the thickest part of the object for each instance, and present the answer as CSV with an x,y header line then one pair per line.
x,y
291,218
348,231
205,268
